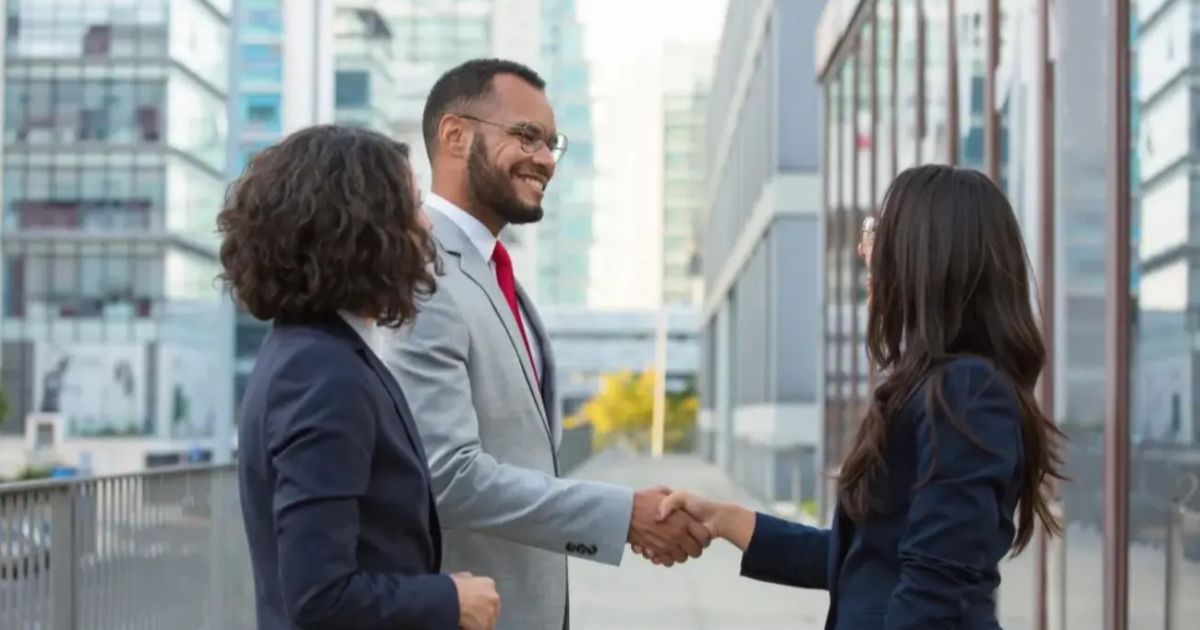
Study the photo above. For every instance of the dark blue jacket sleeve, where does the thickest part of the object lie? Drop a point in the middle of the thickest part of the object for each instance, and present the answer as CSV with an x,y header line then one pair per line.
x,y
783,552
322,434
954,519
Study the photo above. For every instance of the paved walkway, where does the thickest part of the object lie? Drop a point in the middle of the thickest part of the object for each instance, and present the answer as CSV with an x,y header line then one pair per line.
x,y
702,594
707,594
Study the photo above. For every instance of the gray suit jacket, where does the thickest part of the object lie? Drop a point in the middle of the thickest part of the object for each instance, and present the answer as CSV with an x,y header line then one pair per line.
x,y
491,435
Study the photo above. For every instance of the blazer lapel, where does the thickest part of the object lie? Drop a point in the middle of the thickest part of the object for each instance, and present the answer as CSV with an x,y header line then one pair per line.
x,y
548,383
389,383
414,439
454,241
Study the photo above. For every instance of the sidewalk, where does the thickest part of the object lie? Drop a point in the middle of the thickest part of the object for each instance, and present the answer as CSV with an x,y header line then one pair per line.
x,y
703,594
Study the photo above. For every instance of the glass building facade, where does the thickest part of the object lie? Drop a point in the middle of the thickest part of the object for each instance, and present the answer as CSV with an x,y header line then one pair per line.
x,y
684,114
364,79
114,161
259,93
760,372
1086,112
428,38
565,236
284,80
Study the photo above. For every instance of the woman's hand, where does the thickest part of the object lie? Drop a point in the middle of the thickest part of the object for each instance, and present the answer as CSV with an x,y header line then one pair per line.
x,y
723,520
704,510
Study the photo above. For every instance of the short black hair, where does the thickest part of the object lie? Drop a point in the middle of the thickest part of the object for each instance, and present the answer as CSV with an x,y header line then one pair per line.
x,y
466,83
327,220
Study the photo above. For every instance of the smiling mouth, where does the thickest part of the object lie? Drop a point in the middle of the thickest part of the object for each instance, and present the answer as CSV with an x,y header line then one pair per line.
x,y
538,184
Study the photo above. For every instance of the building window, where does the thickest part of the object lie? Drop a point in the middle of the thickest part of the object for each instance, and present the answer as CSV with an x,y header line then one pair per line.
x,y
262,17
247,151
261,112
352,89
88,200
70,110
262,62
82,286
97,42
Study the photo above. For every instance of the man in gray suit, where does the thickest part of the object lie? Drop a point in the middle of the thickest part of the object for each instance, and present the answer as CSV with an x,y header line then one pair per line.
x,y
477,368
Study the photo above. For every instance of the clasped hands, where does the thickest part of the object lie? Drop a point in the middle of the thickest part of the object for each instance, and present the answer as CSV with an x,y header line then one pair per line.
x,y
668,528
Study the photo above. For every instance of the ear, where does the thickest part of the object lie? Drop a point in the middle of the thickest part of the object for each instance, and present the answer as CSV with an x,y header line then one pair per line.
x,y
454,136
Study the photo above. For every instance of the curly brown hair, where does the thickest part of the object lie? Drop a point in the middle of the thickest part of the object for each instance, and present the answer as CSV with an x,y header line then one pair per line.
x,y
327,220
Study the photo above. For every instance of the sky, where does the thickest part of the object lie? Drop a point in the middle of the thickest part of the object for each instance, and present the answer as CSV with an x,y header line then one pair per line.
x,y
618,29
624,40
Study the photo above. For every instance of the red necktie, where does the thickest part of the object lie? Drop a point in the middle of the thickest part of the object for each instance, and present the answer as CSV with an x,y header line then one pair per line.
x,y
508,286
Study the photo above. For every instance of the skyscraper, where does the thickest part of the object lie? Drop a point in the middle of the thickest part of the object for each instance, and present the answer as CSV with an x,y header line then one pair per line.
x,y
114,169
283,81
364,88
760,379
687,67
428,38
284,71
564,239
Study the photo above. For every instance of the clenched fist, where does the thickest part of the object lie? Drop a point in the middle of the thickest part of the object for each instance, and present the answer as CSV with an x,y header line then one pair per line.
x,y
478,601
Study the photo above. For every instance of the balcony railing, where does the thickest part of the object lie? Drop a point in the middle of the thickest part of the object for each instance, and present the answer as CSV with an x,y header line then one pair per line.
x,y
156,549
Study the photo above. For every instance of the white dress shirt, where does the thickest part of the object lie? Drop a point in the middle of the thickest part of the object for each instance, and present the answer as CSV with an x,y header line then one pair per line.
x,y
365,328
484,241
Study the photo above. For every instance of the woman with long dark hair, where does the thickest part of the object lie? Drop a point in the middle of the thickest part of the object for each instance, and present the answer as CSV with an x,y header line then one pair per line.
x,y
950,467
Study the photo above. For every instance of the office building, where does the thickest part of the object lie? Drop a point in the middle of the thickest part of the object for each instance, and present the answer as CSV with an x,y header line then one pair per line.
x,y
364,61
283,81
564,239
1030,97
761,316
284,75
686,71
114,165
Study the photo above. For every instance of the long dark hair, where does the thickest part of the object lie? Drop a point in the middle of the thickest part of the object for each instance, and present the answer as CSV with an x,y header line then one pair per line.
x,y
949,278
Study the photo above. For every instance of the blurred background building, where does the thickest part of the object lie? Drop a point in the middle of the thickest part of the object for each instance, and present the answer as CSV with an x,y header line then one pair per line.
x,y
114,166
687,70
1024,90
760,376
109,251
722,156
295,65
364,80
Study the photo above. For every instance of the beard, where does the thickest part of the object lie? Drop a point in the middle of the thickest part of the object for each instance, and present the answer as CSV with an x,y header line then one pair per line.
x,y
493,188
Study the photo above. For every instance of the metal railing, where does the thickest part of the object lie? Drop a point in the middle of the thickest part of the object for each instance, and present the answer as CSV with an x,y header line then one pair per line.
x,y
163,548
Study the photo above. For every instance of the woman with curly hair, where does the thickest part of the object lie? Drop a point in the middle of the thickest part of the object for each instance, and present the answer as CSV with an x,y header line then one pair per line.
x,y
323,235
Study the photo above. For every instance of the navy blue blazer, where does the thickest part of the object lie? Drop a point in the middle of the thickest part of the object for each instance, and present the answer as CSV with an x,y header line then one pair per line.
x,y
928,557
339,514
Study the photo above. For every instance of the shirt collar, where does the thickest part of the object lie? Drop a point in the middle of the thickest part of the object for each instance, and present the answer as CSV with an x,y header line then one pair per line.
x,y
478,233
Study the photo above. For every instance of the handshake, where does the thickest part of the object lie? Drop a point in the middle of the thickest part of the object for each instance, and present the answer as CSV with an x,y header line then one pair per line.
x,y
669,527
665,527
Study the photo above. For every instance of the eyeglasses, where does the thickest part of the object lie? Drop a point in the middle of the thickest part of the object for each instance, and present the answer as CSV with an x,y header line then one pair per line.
x,y
533,136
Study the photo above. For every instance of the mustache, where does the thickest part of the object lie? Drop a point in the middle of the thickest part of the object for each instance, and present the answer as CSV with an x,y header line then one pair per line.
x,y
534,169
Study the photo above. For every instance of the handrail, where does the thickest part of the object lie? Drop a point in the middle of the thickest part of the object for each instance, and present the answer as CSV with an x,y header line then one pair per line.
x,y
14,487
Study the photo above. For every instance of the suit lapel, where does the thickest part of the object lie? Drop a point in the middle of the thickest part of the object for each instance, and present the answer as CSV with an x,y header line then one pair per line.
x,y
538,330
453,240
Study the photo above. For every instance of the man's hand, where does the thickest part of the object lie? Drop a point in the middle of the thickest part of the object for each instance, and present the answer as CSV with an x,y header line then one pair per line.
x,y
478,602
672,539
